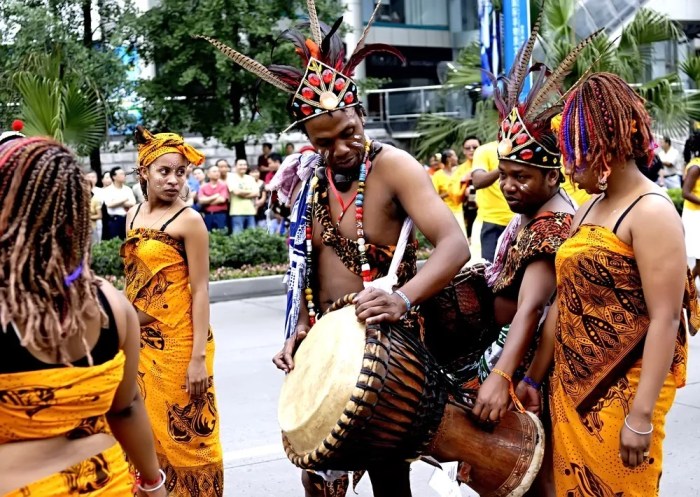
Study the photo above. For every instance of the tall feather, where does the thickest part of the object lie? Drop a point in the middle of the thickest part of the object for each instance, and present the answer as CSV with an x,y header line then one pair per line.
x,y
361,43
249,64
326,43
360,55
542,72
299,41
313,22
518,71
556,79
608,48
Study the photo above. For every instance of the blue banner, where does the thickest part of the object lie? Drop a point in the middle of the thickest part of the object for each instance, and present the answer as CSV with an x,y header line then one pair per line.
x,y
516,30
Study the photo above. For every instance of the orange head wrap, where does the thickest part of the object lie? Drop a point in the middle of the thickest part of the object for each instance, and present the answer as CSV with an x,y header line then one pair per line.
x,y
151,146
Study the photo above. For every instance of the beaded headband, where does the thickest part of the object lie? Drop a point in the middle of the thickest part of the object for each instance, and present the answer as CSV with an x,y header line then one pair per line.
x,y
325,84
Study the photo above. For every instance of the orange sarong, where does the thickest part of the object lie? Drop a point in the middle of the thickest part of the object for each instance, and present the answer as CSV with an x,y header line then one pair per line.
x,y
186,430
70,401
603,320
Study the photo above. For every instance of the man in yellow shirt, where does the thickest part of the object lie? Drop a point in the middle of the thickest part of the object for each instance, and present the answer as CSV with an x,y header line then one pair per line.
x,y
493,212
451,185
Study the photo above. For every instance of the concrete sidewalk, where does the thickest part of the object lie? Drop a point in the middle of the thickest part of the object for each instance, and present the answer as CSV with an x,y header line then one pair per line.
x,y
249,332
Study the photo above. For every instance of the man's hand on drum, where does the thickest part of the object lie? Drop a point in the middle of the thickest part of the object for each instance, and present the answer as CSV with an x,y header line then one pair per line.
x,y
530,398
373,306
493,399
284,358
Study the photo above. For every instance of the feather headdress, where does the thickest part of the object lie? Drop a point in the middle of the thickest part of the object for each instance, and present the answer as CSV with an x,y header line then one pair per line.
x,y
528,129
325,84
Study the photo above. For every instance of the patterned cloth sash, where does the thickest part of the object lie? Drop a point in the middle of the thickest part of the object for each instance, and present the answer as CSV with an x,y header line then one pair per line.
x,y
58,401
156,275
603,316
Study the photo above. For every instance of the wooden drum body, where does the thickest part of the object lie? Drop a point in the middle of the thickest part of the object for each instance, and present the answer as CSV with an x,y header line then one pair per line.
x,y
358,397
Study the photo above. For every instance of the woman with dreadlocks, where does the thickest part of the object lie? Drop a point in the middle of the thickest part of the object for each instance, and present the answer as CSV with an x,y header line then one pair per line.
x,y
69,343
618,330
166,260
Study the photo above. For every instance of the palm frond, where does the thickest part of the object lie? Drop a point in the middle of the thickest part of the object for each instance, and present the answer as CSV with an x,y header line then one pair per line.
x,y
556,17
468,68
40,104
649,26
439,132
667,105
83,118
691,68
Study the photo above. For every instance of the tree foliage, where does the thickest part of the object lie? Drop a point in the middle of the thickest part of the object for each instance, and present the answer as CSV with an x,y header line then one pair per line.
x,y
198,89
82,43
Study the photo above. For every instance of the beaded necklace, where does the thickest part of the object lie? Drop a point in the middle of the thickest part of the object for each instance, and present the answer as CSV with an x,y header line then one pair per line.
x,y
311,200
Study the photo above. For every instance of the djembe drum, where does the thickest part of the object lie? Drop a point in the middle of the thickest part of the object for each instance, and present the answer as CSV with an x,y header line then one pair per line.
x,y
358,397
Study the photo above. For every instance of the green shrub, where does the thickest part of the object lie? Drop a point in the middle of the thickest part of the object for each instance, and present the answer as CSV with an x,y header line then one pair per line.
x,y
105,258
251,248
676,195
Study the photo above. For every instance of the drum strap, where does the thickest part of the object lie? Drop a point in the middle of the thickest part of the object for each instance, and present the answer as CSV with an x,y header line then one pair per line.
x,y
388,282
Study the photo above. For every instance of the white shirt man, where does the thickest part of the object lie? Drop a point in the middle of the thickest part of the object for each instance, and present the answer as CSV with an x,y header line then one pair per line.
x,y
671,159
118,198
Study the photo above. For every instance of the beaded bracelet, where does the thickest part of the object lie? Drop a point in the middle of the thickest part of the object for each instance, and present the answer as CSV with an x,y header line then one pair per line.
x,y
404,298
638,432
153,489
532,382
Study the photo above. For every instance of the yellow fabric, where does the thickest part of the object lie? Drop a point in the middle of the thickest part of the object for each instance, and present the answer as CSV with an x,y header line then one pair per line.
x,y
451,186
186,430
70,401
597,364
577,194
105,474
696,189
166,143
586,448
492,205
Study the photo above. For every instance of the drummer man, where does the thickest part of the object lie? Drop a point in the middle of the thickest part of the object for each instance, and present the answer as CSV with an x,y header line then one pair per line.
x,y
360,194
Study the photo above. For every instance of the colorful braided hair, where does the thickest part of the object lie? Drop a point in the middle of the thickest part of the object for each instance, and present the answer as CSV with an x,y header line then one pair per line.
x,y
605,122
44,245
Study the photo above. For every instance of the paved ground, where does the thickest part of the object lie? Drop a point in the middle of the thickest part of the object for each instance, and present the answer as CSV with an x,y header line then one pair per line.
x,y
248,333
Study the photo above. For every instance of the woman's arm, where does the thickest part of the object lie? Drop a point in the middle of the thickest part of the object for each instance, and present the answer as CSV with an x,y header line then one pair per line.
x,y
659,249
127,416
197,250
689,184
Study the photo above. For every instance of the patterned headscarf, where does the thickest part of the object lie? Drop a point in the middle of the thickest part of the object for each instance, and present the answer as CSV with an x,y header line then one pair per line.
x,y
151,146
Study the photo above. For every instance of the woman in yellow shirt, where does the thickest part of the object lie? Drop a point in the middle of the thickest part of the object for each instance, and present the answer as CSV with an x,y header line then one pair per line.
x,y
451,186
691,211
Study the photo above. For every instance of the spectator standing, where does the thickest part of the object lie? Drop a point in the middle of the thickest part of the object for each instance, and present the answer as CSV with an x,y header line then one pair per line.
x,y
118,198
261,200
288,149
213,197
138,193
224,169
670,158
470,144
434,163
493,212
448,184
691,211
274,161
262,158
244,190
106,179
95,207
199,177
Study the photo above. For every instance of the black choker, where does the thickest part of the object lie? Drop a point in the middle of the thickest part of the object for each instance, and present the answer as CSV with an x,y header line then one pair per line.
x,y
342,182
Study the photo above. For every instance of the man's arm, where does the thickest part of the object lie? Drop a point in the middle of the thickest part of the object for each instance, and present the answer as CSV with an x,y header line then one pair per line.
x,y
405,177
536,290
112,202
130,200
482,179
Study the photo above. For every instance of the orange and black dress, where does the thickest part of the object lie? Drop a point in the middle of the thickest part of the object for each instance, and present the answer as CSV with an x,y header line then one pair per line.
x,y
186,429
599,341
40,401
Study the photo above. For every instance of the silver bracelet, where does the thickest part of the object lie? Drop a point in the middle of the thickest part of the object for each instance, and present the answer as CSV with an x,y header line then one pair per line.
x,y
638,432
404,298
157,487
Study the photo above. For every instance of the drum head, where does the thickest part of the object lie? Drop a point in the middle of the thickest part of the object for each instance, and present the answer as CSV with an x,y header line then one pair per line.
x,y
326,369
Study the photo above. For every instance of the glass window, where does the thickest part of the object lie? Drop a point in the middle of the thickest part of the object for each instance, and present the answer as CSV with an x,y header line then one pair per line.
x,y
408,12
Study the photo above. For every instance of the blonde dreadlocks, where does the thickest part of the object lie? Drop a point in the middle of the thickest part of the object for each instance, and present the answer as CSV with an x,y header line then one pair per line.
x,y
45,283
605,121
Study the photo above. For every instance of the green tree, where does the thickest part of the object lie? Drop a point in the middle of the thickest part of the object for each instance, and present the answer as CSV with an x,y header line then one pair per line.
x,y
628,56
198,89
86,50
